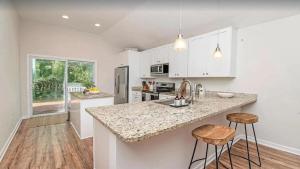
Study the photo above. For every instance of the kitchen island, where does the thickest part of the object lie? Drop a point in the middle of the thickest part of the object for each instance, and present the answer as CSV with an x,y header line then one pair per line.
x,y
149,135
80,120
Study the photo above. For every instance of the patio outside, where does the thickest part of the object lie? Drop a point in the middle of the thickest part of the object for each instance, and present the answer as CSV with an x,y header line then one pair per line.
x,y
48,89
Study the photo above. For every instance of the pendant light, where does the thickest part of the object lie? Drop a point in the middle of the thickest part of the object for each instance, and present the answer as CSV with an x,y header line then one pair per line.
x,y
180,43
218,53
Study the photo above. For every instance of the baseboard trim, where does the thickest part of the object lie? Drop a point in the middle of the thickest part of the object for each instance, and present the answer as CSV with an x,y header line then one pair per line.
x,y
266,143
75,130
42,115
9,140
273,145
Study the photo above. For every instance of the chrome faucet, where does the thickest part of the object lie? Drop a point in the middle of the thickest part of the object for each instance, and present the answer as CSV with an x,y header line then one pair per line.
x,y
191,89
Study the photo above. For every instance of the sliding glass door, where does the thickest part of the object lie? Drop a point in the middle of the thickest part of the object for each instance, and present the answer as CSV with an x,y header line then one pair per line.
x,y
54,79
48,86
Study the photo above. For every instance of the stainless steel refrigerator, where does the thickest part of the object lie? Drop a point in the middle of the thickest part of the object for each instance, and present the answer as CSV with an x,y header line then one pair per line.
x,y
121,84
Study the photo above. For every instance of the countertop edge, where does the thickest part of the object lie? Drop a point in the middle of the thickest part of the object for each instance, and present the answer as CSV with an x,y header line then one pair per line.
x,y
147,136
107,95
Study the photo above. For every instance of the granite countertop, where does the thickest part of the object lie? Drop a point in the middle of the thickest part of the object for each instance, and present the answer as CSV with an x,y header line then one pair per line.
x,y
82,96
138,121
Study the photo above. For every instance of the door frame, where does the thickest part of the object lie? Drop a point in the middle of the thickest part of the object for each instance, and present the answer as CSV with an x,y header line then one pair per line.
x,y
58,58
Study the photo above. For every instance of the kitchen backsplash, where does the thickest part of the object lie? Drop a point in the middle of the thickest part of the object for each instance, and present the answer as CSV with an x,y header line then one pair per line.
x,y
212,84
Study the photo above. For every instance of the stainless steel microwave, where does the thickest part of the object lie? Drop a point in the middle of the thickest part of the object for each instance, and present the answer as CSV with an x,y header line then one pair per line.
x,y
159,69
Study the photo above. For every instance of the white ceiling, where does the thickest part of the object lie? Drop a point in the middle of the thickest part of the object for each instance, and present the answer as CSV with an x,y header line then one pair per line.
x,y
141,24
83,13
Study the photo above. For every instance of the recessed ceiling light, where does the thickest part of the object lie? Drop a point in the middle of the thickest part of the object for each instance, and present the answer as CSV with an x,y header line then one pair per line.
x,y
97,24
65,16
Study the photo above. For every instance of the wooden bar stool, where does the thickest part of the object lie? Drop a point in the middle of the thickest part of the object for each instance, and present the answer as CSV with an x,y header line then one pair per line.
x,y
215,135
244,118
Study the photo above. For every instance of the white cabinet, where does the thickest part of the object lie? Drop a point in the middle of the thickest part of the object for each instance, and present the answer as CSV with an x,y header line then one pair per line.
x,y
145,63
178,63
225,66
122,59
161,54
130,58
197,60
136,96
81,121
201,62
198,55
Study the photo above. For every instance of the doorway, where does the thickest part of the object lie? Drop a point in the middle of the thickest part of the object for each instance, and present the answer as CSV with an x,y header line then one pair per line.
x,y
52,80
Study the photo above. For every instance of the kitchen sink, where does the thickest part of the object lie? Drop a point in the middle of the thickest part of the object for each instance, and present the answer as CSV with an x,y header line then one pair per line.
x,y
170,101
165,102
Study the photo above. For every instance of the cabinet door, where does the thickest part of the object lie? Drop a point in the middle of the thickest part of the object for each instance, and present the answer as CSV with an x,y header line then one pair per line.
x,y
122,59
198,56
160,54
145,63
136,97
164,54
220,67
178,63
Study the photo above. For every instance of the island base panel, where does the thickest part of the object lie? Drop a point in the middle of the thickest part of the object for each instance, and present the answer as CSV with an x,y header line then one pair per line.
x,y
171,150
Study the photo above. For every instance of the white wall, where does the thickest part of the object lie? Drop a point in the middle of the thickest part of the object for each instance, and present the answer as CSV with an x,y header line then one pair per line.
x,y
37,38
268,65
10,112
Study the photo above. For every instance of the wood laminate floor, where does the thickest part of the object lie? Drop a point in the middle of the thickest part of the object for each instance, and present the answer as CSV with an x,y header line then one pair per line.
x,y
270,158
48,143
51,143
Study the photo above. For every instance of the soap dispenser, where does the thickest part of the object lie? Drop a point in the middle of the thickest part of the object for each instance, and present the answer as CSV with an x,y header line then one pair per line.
x,y
201,91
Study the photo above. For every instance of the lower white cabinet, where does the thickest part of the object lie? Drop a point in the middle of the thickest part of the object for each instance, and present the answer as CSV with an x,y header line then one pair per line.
x,y
82,121
136,97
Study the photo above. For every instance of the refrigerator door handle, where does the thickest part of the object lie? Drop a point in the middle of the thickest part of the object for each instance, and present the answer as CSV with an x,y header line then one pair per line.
x,y
118,84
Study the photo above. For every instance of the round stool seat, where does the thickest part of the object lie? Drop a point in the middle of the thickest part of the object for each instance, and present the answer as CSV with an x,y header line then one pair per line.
x,y
245,118
214,134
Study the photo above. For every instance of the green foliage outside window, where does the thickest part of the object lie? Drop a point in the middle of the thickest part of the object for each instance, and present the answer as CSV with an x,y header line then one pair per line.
x,y
80,72
49,75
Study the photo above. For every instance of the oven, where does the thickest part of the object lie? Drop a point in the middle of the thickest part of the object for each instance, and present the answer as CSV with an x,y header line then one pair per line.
x,y
147,96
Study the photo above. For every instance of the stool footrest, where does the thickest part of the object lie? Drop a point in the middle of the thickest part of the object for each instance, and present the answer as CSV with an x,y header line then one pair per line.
x,y
198,160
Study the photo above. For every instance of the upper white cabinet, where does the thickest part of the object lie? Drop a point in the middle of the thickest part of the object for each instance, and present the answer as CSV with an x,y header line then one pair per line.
x,y
145,63
198,59
160,54
178,63
122,59
201,62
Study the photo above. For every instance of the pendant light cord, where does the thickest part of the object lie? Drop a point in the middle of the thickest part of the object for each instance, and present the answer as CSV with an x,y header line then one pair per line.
x,y
219,16
180,16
